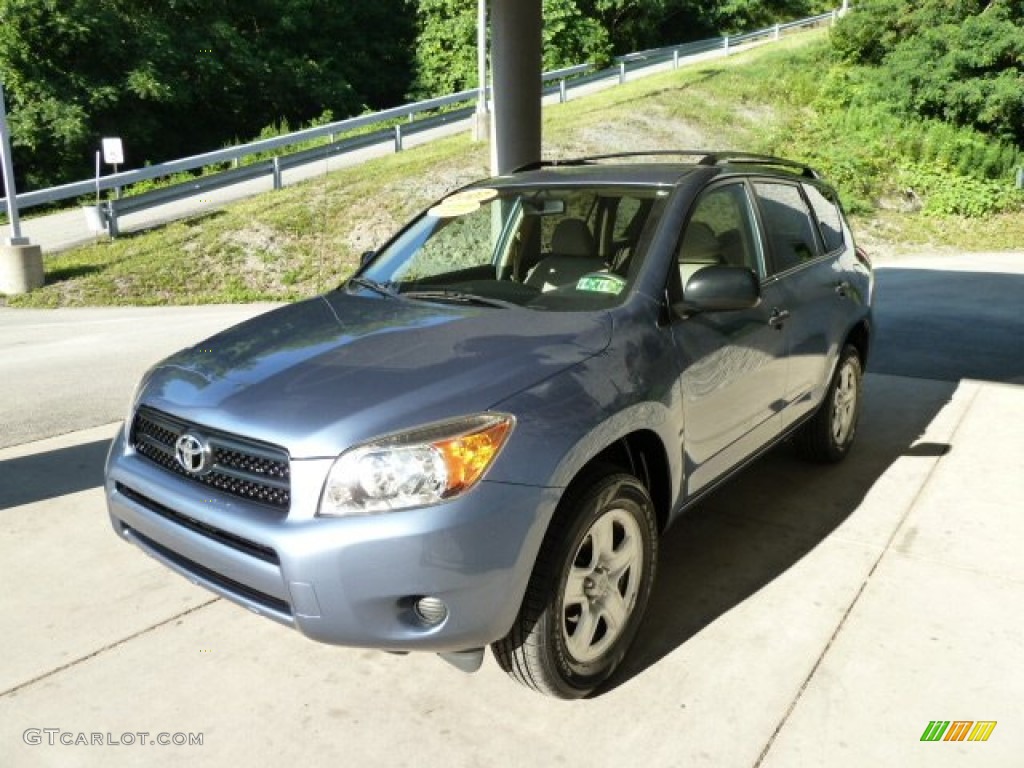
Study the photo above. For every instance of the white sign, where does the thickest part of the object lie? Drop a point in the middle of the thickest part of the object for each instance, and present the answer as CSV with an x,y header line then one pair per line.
x,y
113,151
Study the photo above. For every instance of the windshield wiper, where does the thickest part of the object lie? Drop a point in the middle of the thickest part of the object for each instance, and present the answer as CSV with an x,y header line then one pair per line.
x,y
372,285
458,297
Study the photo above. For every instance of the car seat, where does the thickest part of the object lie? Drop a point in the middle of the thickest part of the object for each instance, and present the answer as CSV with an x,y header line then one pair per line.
x,y
700,248
573,254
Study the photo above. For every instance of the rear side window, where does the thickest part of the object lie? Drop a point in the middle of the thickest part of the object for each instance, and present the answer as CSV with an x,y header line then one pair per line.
x,y
788,225
830,222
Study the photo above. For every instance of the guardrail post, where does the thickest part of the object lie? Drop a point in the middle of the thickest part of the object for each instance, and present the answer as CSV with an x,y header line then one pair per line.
x,y
675,59
277,172
835,17
725,44
1020,178
776,31
562,96
112,229
398,138
622,72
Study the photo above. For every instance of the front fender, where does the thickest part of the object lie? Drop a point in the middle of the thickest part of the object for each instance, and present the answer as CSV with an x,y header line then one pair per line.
x,y
567,420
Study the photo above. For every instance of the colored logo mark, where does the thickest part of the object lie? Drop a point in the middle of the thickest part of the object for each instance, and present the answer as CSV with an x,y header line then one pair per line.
x,y
958,730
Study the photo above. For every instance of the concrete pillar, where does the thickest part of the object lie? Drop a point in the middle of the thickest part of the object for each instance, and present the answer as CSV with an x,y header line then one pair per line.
x,y
515,71
21,268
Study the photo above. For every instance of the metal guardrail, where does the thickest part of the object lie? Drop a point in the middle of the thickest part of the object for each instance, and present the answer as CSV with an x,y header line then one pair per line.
x,y
273,167
231,154
568,77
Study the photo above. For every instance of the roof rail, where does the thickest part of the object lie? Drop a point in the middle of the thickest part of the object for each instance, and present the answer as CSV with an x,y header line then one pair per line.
x,y
536,165
624,155
706,157
736,158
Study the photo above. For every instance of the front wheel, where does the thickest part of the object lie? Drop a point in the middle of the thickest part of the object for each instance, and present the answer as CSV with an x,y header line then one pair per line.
x,y
588,591
828,435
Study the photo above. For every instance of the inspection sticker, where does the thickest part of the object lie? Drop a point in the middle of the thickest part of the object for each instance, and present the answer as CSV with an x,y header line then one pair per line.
x,y
601,284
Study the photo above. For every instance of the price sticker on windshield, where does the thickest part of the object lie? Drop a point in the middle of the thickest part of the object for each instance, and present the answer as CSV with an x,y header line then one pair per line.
x,y
462,203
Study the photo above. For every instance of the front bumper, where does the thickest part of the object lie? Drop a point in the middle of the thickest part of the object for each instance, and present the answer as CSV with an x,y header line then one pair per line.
x,y
347,581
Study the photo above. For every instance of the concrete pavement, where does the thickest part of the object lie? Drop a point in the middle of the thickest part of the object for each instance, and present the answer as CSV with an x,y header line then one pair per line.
x,y
803,616
66,369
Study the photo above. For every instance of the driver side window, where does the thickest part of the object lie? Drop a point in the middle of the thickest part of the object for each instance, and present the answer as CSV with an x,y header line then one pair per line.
x,y
720,231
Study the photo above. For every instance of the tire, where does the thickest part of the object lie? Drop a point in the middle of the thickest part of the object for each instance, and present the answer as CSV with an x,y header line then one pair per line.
x,y
589,588
827,436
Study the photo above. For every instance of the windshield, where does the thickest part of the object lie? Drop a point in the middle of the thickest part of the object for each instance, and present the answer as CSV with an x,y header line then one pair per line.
x,y
543,248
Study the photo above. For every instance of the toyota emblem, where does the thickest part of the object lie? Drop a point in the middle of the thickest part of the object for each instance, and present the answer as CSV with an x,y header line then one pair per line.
x,y
193,454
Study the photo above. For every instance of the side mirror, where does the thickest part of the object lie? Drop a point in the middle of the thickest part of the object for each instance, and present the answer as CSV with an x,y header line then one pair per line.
x,y
719,289
366,257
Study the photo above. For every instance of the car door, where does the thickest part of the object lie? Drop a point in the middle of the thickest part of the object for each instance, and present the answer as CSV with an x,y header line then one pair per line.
x,y
732,365
809,287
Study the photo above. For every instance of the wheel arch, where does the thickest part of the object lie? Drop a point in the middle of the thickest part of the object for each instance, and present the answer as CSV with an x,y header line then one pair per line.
x,y
860,337
642,453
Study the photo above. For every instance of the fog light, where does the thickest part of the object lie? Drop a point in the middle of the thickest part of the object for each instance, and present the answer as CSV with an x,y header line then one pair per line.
x,y
431,610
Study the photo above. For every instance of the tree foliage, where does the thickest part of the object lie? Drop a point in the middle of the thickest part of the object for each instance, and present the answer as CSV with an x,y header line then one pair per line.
x,y
959,61
446,58
586,31
176,77
445,46
743,15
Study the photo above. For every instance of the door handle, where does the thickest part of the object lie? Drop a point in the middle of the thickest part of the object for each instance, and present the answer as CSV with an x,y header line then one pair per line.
x,y
778,317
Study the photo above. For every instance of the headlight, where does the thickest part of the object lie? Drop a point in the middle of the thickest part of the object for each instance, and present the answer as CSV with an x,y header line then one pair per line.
x,y
416,468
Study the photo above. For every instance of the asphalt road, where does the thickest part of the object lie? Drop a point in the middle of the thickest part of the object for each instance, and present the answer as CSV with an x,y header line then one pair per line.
x,y
952,318
803,616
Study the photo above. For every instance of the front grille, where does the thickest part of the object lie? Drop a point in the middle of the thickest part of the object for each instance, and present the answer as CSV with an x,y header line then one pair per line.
x,y
241,467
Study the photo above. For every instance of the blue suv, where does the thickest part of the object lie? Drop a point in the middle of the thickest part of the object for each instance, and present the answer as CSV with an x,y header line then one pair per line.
x,y
480,436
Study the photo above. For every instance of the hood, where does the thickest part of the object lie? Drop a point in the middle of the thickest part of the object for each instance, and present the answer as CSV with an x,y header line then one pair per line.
x,y
321,375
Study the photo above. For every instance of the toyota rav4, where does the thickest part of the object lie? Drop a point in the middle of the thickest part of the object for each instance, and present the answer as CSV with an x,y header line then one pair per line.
x,y
479,437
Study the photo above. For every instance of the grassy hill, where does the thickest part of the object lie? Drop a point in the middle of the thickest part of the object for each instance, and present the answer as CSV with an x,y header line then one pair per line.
x,y
307,238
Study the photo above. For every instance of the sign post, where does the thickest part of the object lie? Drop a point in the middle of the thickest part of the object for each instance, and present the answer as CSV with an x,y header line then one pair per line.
x,y
113,154
8,174
481,120
21,264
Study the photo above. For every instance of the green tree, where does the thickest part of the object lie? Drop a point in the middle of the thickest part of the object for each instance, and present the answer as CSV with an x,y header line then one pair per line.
x,y
446,57
961,62
177,77
571,37
746,15
634,25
